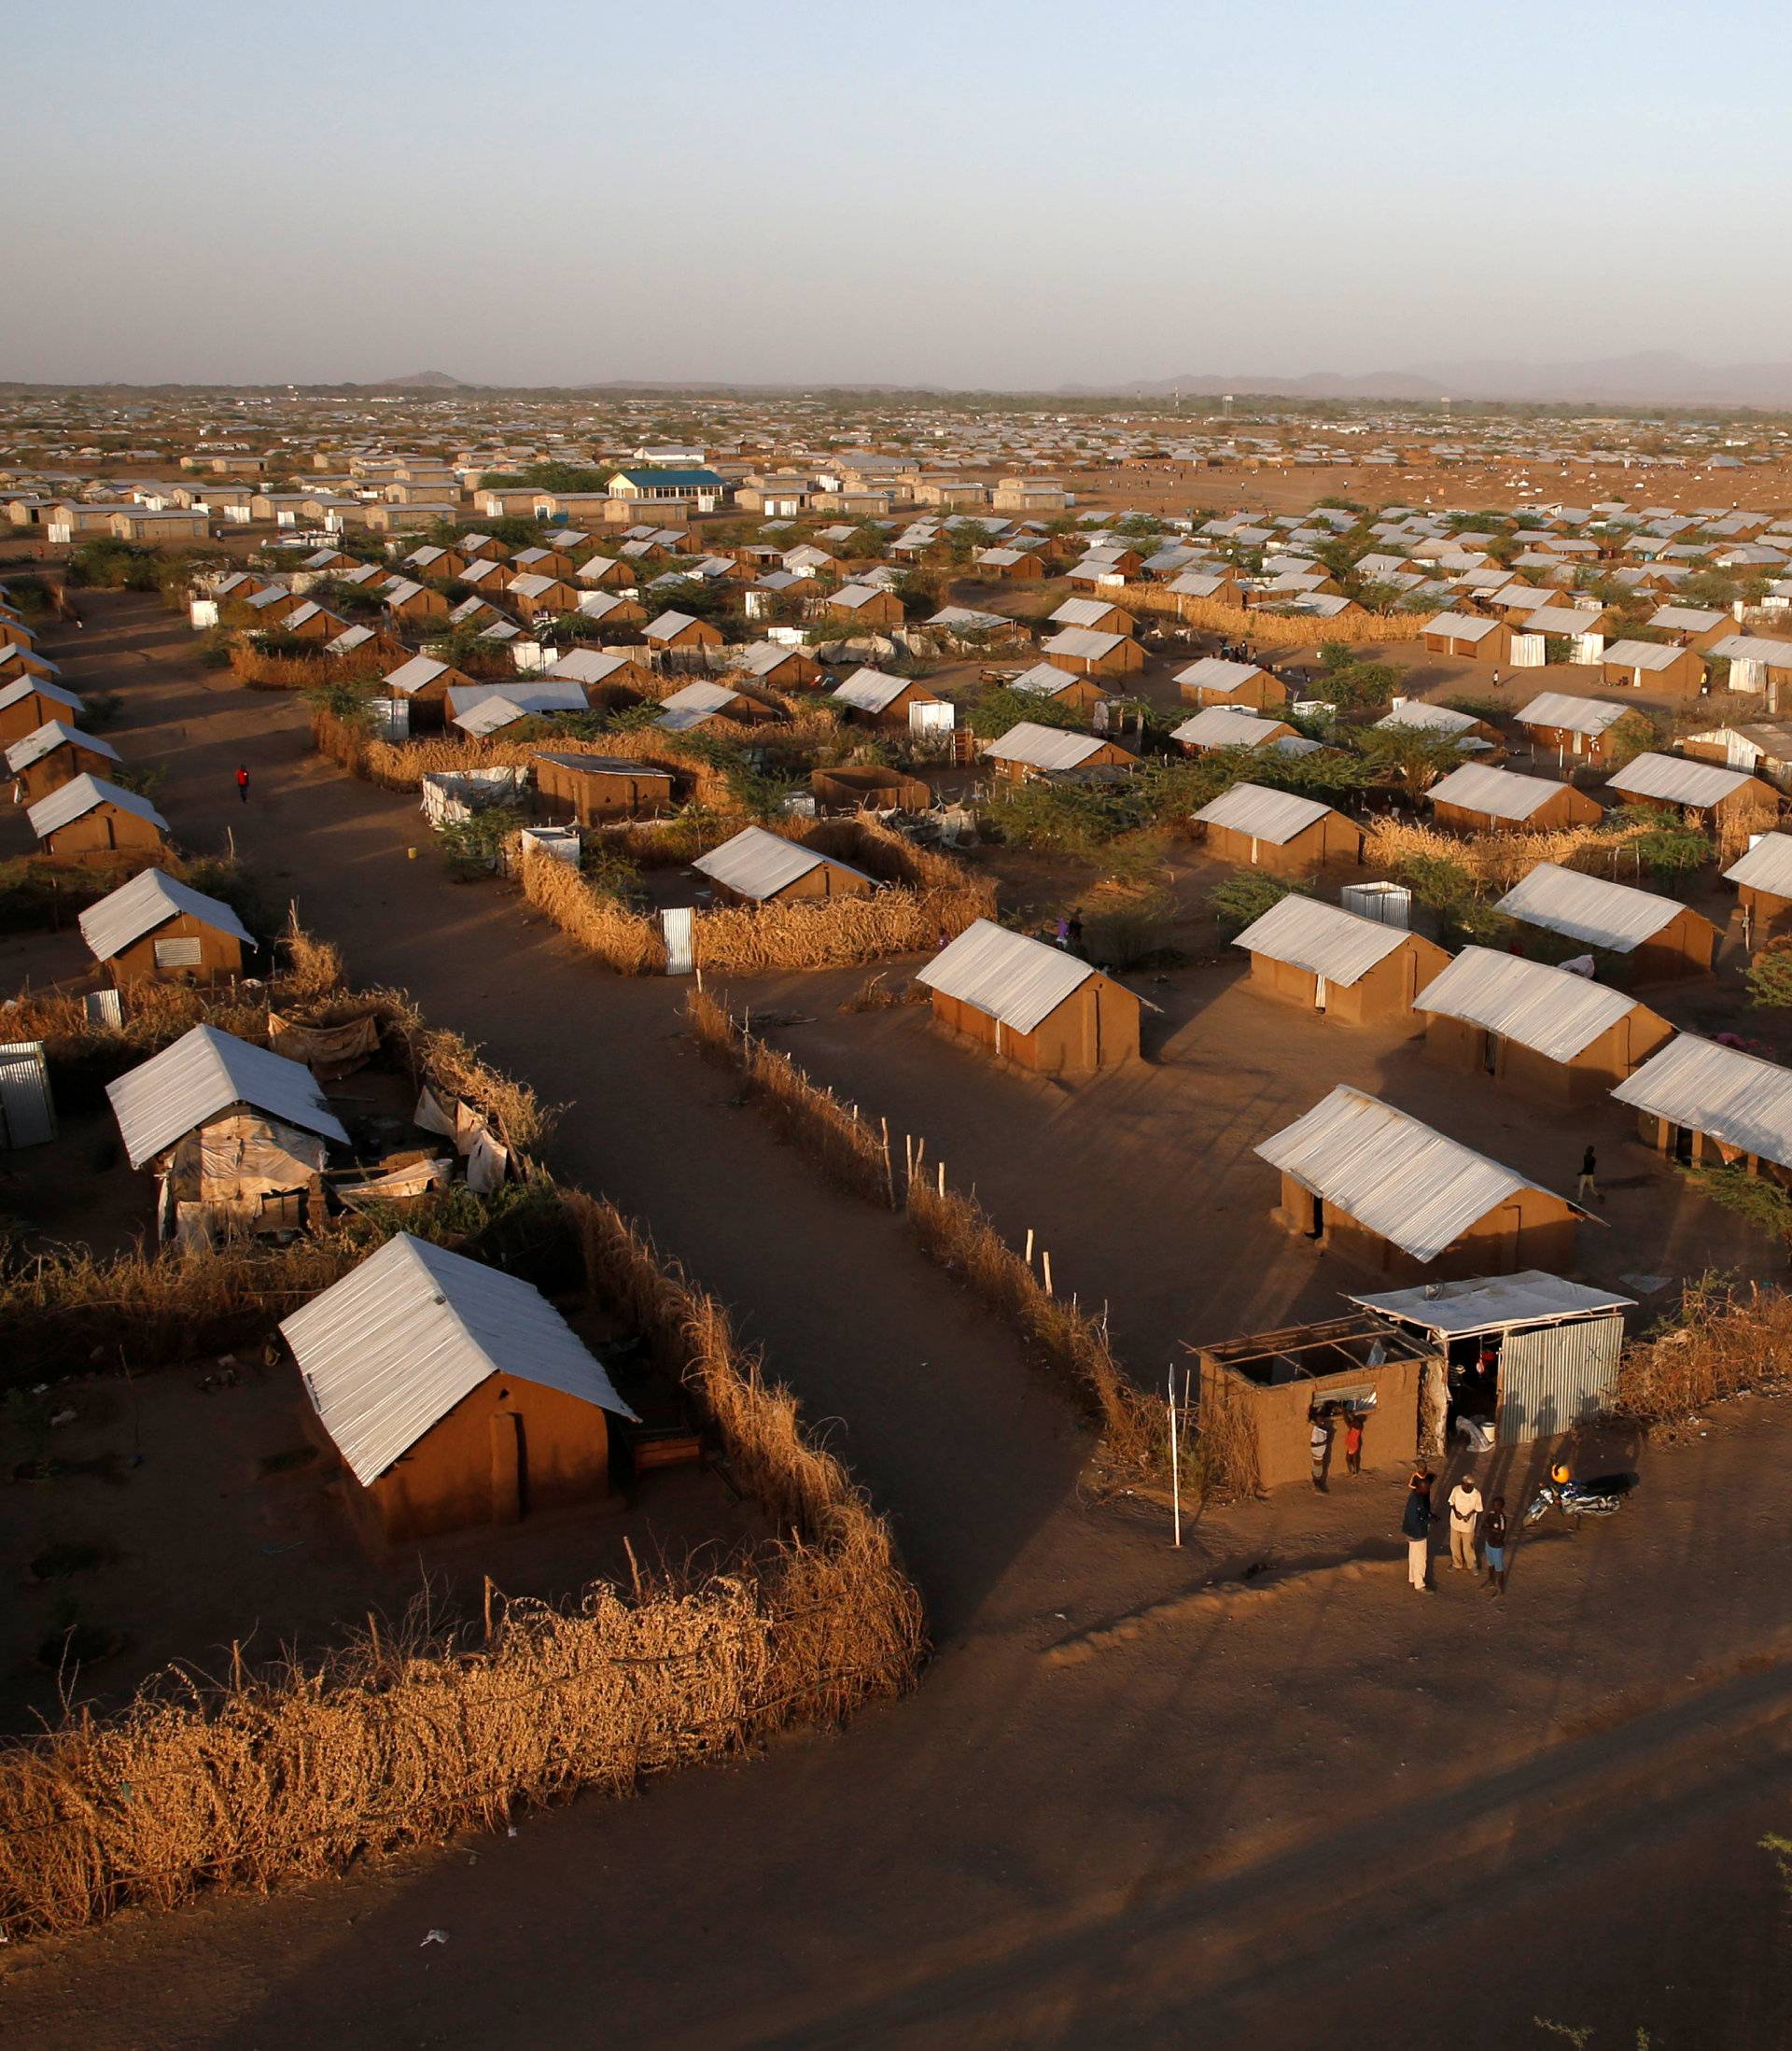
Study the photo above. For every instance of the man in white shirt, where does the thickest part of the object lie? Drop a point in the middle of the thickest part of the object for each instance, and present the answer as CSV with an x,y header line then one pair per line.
x,y
1464,1520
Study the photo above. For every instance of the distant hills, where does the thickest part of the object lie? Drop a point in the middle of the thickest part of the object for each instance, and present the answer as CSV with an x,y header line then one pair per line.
x,y
420,381
1650,377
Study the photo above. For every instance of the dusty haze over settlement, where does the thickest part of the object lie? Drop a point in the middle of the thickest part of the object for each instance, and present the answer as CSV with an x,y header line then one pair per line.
x,y
895,1028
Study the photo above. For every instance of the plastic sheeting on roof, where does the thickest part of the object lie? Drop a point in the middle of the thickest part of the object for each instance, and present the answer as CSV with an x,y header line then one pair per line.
x,y
1735,1097
389,1350
203,1074
1391,1174
1325,939
1551,1010
1010,975
150,900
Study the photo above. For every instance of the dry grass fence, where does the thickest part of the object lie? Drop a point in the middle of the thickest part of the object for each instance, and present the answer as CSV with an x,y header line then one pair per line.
x,y
1498,861
928,895
407,1737
1268,629
261,671
951,1228
1723,1340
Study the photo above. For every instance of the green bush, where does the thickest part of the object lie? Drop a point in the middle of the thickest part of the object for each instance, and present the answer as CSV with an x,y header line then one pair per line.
x,y
1244,898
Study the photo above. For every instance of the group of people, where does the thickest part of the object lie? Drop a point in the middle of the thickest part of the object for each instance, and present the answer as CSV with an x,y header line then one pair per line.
x,y
1472,1525
1066,933
1319,1423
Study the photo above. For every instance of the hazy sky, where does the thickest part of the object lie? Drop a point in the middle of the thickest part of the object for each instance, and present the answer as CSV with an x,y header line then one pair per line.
x,y
979,192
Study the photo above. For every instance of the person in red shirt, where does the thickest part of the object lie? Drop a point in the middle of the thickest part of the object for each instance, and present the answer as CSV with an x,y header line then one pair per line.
x,y
243,782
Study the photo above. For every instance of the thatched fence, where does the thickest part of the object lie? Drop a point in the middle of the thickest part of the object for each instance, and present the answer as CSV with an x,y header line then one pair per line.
x,y
1267,629
950,1228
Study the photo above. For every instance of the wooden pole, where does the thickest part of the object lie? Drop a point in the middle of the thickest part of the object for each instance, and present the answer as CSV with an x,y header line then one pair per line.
x,y
1046,1262
1175,1464
889,1173
1029,1246
941,1181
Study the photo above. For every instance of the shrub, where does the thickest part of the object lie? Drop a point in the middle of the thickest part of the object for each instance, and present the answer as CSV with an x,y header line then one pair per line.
x,y
1243,898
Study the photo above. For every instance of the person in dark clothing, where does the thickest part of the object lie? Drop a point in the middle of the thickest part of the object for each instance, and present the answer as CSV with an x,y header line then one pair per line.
x,y
1587,1187
1416,1523
1494,1531
1073,931
243,782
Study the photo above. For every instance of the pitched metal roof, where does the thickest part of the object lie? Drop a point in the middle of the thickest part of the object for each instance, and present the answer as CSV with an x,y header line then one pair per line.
x,y
202,1074
1083,642
1427,717
1325,939
45,739
1461,626
1045,747
1501,793
585,665
1010,975
1767,866
758,865
1552,1011
1082,611
870,690
20,688
1492,1304
150,900
1736,1097
620,765
1215,674
1274,816
80,794
413,676
1678,781
1570,714
390,1349
1588,909
1645,655
1227,726
693,704
1391,1174
1045,680
1752,648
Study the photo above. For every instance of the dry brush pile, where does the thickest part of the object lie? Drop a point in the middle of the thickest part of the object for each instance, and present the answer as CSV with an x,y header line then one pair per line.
x,y
1723,1340
407,1737
261,671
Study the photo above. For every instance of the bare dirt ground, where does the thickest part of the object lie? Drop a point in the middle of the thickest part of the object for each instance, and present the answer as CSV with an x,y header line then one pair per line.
x,y
1139,1795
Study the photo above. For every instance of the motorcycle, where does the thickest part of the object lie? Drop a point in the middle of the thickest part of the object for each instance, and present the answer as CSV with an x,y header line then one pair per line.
x,y
1600,1497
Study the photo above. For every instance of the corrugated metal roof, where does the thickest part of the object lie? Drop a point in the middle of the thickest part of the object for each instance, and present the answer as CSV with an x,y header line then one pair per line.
x,y
585,665
415,675
1227,726
1501,793
389,1350
758,864
80,794
1215,674
1460,626
1571,715
1325,939
1043,747
1082,642
1754,648
203,1074
1767,866
1426,718
1044,679
52,694
1641,654
1735,1097
1588,909
1082,611
870,690
1678,781
1274,816
1565,619
620,765
46,738
1391,1174
1492,1304
150,900
667,625
695,703
1010,975
1551,1010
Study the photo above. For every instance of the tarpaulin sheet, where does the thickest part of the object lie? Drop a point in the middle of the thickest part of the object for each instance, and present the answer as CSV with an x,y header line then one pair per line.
x,y
327,1050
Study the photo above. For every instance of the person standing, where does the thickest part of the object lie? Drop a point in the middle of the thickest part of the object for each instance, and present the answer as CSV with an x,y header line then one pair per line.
x,y
1416,1522
1074,932
243,781
1588,1187
1319,1442
1465,1507
1353,1442
1494,1544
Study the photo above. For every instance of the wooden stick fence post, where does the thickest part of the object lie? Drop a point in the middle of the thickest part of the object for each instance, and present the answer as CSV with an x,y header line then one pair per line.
x,y
1046,1262
941,1165
1029,1246
889,1173
1175,1464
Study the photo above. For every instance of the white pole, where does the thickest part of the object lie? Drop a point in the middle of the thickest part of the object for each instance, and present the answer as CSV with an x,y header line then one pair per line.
x,y
1175,1462
1046,1262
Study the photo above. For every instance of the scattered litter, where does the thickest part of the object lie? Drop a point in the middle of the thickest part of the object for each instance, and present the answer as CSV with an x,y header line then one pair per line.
x,y
511,1832
434,1937
65,1417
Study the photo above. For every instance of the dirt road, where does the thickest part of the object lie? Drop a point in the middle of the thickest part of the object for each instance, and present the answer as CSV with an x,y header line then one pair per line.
x,y
1313,1808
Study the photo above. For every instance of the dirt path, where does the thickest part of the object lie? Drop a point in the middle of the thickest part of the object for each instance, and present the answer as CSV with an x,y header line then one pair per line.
x,y
1322,1812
